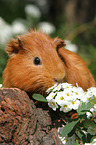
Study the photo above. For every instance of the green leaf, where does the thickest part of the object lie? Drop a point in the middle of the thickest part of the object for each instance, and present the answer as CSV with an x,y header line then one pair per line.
x,y
93,100
77,143
39,97
69,127
88,123
81,135
84,108
89,137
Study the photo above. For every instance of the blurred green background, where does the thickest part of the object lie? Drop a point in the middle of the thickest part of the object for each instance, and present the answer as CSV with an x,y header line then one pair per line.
x,y
72,20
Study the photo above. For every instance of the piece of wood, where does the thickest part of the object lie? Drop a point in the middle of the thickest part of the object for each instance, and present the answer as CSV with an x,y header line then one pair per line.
x,y
22,122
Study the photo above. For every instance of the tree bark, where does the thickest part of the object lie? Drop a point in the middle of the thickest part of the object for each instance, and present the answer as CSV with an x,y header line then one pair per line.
x,y
24,123
75,11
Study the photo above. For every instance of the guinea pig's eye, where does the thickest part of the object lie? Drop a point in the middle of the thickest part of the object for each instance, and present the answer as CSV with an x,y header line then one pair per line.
x,y
37,61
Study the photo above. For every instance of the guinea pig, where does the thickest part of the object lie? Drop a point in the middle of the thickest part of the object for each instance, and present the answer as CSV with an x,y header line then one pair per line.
x,y
36,62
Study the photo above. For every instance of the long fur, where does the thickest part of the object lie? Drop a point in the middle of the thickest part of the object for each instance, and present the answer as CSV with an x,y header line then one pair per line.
x,y
57,64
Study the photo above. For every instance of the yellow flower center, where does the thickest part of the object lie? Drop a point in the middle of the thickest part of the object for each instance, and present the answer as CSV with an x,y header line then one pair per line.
x,y
61,98
57,87
67,87
65,106
73,102
52,96
76,93
68,94
53,103
66,140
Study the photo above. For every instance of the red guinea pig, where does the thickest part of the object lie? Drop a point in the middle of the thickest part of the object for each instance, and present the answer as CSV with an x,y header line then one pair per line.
x,y
36,62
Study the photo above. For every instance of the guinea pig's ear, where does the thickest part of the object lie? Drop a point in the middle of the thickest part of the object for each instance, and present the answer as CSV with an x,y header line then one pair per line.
x,y
59,43
14,46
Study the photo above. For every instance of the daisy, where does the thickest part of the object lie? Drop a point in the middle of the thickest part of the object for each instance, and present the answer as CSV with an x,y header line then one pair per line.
x,y
74,104
57,88
78,92
50,96
85,97
60,98
66,85
91,91
65,107
68,94
52,104
51,89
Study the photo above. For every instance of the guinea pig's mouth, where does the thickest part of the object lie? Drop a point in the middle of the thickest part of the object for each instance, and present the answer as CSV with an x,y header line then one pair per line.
x,y
56,81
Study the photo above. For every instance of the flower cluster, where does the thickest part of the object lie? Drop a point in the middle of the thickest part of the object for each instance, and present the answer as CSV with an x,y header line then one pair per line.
x,y
68,97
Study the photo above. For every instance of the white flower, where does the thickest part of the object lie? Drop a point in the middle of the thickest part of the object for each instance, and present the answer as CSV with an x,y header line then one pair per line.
x,y
60,98
92,91
93,109
46,27
18,27
94,141
69,97
63,97
60,131
50,96
51,89
57,88
33,11
65,140
0,85
90,143
52,104
69,140
78,92
66,85
85,97
92,130
65,107
70,46
2,22
88,115
5,32
74,104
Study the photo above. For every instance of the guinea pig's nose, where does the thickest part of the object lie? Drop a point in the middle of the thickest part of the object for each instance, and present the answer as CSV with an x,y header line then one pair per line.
x,y
57,80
